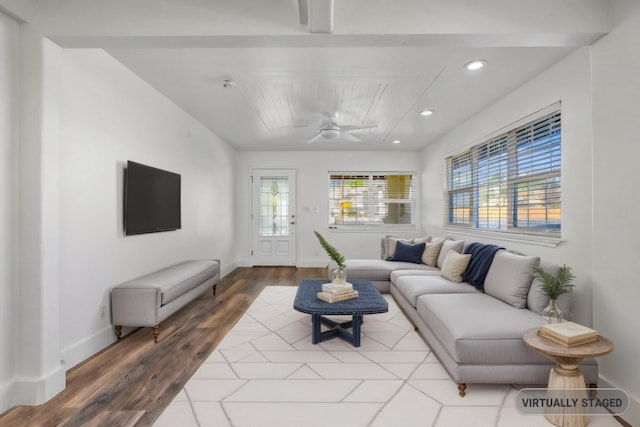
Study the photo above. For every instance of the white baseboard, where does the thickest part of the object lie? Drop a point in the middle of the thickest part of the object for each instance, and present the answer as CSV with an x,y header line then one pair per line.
x,y
632,416
36,391
82,350
7,396
312,263
243,263
33,391
226,270
302,263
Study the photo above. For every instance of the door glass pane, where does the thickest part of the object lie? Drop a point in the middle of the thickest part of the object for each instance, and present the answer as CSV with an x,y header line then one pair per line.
x,y
274,206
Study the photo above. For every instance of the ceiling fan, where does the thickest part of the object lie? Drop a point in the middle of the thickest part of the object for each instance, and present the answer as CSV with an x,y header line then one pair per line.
x,y
331,130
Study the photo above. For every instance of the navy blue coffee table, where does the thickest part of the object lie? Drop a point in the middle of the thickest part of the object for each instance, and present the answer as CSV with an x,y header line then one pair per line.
x,y
369,301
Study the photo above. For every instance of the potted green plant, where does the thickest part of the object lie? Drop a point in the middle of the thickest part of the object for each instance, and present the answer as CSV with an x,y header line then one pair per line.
x,y
553,286
339,274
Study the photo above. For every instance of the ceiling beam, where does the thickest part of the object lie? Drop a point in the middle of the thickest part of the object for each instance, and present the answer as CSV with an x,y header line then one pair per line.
x,y
303,10
320,16
331,40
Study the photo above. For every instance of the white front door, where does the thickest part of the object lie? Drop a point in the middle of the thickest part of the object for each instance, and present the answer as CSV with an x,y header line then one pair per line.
x,y
274,217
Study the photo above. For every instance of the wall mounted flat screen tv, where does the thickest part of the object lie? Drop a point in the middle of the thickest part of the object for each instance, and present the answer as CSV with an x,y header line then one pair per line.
x,y
151,199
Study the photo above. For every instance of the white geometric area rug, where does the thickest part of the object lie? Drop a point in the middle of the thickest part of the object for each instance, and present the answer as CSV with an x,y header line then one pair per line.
x,y
266,372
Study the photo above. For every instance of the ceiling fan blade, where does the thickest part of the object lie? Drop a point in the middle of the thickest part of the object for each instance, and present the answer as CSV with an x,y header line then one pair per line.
x,y
315,139
355,127
348,137
303,127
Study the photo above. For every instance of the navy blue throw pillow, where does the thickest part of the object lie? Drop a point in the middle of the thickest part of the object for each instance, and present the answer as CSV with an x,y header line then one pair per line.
x,y
408,253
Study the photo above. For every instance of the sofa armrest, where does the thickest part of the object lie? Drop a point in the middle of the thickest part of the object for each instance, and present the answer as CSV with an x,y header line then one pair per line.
x,y
135,306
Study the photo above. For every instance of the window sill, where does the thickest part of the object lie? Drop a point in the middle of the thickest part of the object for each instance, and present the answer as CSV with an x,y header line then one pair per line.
x,y
548,241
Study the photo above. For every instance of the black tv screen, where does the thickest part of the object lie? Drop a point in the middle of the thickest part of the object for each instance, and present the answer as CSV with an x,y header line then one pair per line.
x,y
151,199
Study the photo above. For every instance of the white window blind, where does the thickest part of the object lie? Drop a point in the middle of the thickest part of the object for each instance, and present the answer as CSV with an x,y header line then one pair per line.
x,y
371,199
511,181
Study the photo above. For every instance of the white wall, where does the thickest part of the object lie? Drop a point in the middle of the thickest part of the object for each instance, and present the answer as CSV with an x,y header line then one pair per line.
x,y
110,116
568,82
312,206
599,157
616,126
82,116
9,81
40,375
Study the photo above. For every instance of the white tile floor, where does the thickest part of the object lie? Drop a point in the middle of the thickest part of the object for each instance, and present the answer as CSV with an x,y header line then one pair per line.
x,y
266,372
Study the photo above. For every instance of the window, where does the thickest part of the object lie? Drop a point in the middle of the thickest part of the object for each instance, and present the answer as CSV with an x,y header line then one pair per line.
x,y
371,199
511,181
274,206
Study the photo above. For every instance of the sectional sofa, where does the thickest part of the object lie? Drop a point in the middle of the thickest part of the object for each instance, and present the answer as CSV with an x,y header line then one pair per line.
x,y
475,329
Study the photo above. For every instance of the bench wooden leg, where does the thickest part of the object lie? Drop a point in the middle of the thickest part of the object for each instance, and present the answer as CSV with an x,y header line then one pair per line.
x,y
155,333
118,331
214,289
462,389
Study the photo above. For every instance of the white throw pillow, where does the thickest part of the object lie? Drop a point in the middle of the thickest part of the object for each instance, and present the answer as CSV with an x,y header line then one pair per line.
x,y
447,245
454,265
431,252
425,239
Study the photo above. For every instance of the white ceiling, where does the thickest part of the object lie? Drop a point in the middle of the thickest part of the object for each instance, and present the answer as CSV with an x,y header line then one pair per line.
x,y
384,62
278,88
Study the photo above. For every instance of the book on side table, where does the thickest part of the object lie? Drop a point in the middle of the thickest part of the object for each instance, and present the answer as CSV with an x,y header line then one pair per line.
x,y
569,334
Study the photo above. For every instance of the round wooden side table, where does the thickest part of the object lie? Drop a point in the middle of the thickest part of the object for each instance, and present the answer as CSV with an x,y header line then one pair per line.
x,y
566,374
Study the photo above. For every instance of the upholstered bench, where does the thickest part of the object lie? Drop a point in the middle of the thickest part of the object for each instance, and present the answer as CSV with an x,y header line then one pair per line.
x,y
150,299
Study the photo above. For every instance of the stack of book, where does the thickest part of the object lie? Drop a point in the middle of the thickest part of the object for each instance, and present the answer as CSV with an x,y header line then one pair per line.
x,y
334,293
569,334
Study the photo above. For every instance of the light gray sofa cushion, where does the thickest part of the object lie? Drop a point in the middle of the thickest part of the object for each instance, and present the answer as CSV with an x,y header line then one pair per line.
x,y
396,274
378,269
477,328
509,277
412,287
449,245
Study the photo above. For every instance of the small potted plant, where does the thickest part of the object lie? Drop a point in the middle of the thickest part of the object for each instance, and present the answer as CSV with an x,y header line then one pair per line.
x,y
339,274
553,286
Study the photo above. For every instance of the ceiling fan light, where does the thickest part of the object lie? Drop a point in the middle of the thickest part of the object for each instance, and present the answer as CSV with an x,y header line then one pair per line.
x,y
330,133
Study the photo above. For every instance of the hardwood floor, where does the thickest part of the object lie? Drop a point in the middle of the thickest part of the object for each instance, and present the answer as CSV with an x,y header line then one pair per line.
x,y
131,382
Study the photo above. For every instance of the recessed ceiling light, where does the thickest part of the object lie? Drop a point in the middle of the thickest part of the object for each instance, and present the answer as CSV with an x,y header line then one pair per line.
x,y
476,64
425,113
395,141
